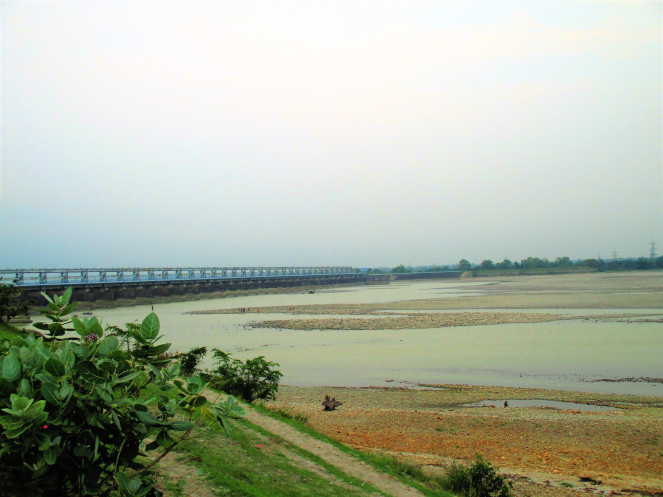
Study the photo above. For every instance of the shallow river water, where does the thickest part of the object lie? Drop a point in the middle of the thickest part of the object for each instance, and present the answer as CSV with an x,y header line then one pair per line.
x,y
568,355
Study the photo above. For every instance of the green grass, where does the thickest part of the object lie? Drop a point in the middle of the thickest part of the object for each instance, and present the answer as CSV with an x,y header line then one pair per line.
x,y
7,331
450,430
408,474
311,457
249,462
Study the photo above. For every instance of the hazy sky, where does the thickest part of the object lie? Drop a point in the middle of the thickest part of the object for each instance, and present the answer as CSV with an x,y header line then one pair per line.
x,y
363,133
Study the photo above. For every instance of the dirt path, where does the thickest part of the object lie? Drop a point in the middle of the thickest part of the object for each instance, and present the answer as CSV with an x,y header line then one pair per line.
x,y
186,476
330,454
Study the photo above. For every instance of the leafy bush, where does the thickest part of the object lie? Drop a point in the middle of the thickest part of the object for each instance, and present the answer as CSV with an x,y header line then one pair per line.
x,y
76,412
253,379
189,360
9,303
478,480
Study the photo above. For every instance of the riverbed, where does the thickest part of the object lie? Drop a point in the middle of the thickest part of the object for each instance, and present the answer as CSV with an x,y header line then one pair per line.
x,y
613,342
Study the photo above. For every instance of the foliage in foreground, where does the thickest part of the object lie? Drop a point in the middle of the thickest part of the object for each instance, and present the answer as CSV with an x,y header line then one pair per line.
x,y
478,480
77,413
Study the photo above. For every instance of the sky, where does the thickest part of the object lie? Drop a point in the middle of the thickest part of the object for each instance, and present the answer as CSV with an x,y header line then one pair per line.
x,y
359,133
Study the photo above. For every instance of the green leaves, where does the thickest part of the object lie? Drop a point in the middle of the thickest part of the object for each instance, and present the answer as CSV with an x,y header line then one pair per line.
x,y
46,296
57,308
89,372
126,378
79,327
74,412
231,408
252,379
108,345
181,425
11,368
94,327
149,329
23,414
66,297
131,487
89,326
51,455
148,419
54,367
19,404
51,393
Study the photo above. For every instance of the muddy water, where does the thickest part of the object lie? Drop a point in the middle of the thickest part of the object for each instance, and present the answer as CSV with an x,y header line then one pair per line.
x,y
568,355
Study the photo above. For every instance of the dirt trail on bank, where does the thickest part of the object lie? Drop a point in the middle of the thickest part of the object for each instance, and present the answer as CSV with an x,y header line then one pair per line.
x,y
330,454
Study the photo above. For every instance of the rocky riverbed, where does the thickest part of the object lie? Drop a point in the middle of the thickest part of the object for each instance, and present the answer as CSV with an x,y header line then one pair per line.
x,y
407,321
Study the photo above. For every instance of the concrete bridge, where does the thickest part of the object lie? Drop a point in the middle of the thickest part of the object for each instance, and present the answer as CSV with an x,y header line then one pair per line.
x,y
111,286
91,276
105,286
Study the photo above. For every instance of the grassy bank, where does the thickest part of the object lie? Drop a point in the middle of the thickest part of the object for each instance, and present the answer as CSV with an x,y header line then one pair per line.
x,y
407,473
7,331
253,460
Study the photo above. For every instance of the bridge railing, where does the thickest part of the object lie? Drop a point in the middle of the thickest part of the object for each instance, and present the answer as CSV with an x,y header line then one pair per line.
x,y
89,276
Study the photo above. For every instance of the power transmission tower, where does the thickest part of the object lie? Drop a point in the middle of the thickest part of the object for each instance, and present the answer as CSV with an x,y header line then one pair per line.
x,y
652,250
614,254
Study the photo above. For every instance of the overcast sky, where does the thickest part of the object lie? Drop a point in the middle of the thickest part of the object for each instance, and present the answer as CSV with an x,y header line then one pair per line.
x,y
363,133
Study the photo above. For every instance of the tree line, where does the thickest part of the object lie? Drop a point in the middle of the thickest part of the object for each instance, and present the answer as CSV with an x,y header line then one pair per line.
x,y
562,264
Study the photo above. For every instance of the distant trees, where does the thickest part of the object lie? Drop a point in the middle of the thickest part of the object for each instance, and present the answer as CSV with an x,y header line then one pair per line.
x,y
487,264
540,265
464,265
505,264
563,262
534,262
437,269
644,264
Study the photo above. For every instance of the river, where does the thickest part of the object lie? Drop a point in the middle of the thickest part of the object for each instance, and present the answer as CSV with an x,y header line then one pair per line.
x,y
567,355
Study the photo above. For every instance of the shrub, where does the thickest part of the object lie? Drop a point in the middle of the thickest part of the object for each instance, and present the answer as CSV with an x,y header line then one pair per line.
x,y
75,412
478,480
10,306
189,360
253,379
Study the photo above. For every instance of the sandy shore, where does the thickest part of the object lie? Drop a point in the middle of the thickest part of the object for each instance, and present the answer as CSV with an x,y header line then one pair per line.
x,y
546,451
